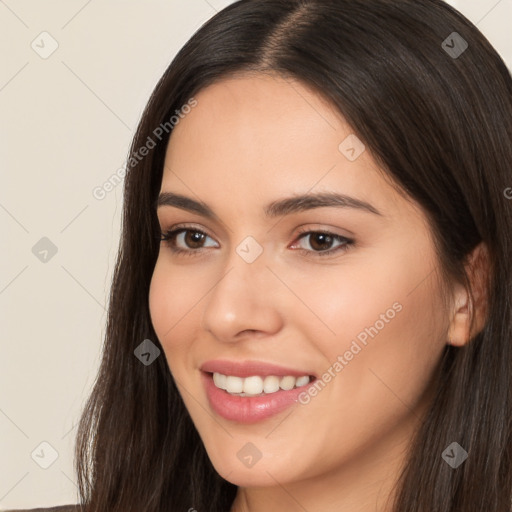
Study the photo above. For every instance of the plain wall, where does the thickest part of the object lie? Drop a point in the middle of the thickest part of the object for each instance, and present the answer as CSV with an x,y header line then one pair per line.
x,y
66,124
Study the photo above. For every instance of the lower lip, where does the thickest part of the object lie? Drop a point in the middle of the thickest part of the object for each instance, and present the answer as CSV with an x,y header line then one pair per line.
x,y
249,409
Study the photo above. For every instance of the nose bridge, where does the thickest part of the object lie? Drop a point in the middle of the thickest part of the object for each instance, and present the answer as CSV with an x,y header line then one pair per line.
x,y
246,264
241,298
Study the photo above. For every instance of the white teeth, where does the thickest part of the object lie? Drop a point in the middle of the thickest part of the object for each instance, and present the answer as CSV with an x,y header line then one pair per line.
x,y
234,384
255,385
220,380
271,384
302,381
287,383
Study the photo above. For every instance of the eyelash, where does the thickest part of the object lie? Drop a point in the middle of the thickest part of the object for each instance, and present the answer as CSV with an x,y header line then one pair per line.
x,y
169,238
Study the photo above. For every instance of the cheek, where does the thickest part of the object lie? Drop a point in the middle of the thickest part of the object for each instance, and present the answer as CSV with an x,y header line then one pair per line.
x,y
159,308
388,331
390,336
173,300
384,318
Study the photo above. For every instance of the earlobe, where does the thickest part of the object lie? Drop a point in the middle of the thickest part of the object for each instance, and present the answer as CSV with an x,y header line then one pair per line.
x,y
470,314
459,331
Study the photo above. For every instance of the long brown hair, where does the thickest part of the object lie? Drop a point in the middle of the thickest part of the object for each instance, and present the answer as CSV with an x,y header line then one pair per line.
x,y
436,114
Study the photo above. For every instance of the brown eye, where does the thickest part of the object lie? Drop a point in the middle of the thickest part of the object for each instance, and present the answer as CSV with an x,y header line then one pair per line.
x,y
191,240
321,242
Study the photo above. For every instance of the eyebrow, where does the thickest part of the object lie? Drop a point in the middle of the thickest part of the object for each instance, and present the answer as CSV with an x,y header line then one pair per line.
x,y
276,208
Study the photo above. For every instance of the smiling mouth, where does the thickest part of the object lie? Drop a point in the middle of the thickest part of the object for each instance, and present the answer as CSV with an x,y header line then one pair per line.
x,y
253,398
256,385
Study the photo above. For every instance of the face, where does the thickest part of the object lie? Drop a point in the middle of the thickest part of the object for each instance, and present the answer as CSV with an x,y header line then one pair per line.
x,y
346,293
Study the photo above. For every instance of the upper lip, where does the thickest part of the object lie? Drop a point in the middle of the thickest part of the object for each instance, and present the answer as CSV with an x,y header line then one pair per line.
x,y
250,368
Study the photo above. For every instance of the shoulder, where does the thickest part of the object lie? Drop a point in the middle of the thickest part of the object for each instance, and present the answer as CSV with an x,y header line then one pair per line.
x,y
62,508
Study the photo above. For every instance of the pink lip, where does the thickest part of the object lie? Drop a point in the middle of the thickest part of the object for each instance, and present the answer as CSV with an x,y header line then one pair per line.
x,y
249,409
250,368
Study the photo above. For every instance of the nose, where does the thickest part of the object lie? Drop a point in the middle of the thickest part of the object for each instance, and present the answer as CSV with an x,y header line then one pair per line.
x,y
243,300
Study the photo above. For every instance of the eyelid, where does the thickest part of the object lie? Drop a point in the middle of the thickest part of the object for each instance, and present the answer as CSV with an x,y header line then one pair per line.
x,y
190,227
319,229
301,230
347,242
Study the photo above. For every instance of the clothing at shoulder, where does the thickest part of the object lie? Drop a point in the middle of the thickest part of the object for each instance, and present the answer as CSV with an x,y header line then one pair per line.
x,y
62,508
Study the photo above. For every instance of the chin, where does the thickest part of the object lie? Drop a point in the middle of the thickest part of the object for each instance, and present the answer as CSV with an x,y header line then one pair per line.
x,y
252,477
263,473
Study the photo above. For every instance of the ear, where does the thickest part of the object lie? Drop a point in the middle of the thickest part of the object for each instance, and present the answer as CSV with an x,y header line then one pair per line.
x,y
468,318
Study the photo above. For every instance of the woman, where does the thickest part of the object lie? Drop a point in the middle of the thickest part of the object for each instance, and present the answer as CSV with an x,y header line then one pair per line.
x,y
311,304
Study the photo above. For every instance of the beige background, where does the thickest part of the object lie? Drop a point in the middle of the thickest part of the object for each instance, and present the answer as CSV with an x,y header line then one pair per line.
x,y
66,125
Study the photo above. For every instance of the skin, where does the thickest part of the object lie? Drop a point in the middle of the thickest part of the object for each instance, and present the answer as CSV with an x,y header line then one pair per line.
x,y
250,140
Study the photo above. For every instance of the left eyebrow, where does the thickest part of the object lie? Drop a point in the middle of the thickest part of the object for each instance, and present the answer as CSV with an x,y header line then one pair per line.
x,y
276,208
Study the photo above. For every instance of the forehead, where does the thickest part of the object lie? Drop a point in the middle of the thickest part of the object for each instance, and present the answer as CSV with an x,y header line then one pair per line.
x,y
264,137
258,109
